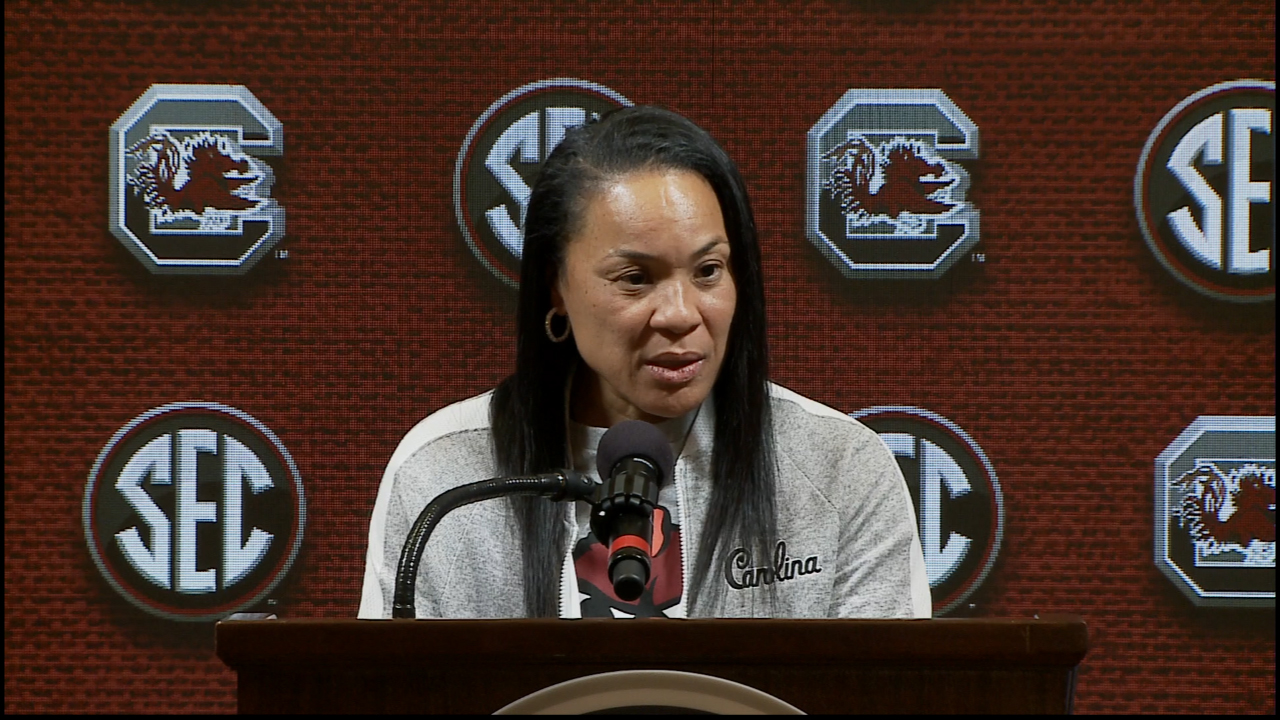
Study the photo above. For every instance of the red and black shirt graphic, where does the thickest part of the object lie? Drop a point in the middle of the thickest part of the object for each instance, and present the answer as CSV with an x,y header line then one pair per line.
x,y
666,574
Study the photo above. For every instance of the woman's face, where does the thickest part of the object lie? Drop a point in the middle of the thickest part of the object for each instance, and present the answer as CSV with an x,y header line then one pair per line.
x,y
648,291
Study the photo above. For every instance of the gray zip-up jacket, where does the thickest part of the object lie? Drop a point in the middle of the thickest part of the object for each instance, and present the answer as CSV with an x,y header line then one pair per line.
x,y
848,545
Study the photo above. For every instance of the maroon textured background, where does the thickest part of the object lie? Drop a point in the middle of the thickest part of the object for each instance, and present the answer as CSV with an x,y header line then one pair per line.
x,y
1070,355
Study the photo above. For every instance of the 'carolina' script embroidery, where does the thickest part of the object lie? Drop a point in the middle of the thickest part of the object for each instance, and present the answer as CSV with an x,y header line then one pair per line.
x,y
784,568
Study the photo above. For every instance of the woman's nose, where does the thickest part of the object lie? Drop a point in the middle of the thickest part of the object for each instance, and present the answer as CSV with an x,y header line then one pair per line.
x,y
676,312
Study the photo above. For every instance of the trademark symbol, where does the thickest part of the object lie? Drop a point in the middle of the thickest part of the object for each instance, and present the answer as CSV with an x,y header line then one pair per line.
x,y
976,257
282,254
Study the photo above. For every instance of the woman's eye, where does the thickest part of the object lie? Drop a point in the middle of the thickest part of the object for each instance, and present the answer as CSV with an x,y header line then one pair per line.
x,y
710,271
633,278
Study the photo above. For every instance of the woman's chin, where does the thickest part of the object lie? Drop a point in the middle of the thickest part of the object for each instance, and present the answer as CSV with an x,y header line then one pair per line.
x,y
674,405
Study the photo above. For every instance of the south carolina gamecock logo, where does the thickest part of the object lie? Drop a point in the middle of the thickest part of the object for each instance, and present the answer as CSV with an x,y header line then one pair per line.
x,y
1215,525
1230,516
190,190
901,183
202,177
886,195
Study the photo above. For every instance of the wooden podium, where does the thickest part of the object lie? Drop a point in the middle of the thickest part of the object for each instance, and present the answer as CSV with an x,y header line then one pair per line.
x,y
819,666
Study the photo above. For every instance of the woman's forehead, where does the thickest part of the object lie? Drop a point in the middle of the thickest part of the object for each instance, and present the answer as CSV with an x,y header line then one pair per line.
x,y
652,212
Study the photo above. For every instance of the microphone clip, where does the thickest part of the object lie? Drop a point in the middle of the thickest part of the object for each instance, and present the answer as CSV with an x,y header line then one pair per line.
x,y
622,517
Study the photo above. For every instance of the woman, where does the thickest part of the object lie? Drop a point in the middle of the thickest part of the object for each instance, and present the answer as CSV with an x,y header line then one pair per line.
x,y
641,297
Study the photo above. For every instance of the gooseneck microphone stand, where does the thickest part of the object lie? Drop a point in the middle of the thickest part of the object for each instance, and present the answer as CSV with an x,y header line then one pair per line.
x,y
560,485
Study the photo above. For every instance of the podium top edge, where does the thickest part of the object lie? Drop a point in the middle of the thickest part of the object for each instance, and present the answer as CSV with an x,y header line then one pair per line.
x,y
1048,640
1043,620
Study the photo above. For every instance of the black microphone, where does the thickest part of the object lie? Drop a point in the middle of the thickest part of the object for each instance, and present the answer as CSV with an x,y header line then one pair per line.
x,y
633,459
557,486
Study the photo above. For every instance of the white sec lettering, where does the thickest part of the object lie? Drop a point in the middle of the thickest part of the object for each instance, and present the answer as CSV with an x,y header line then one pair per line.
x,y
241,465
191,442
1205,141
559,120
1244,191
521,137
152,459
937,468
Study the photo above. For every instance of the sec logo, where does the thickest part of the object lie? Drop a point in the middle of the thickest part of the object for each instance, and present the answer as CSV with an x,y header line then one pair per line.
x,y
500,159
189,189
1203,191
886,195
1215,503
194,511
957,496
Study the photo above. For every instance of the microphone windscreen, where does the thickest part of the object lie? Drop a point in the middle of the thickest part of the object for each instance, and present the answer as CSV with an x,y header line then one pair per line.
x,y
631,438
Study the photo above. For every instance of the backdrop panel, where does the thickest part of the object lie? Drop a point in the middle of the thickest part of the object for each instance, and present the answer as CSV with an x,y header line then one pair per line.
x,y
1060,344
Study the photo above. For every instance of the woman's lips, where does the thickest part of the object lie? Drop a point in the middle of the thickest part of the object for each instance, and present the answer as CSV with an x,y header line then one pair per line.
x,y
675,371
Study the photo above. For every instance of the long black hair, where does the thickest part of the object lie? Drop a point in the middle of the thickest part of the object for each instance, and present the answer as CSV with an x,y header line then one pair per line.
x,y
528,433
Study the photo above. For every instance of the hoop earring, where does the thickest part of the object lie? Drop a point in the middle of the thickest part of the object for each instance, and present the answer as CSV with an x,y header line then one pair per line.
x,y
550,334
